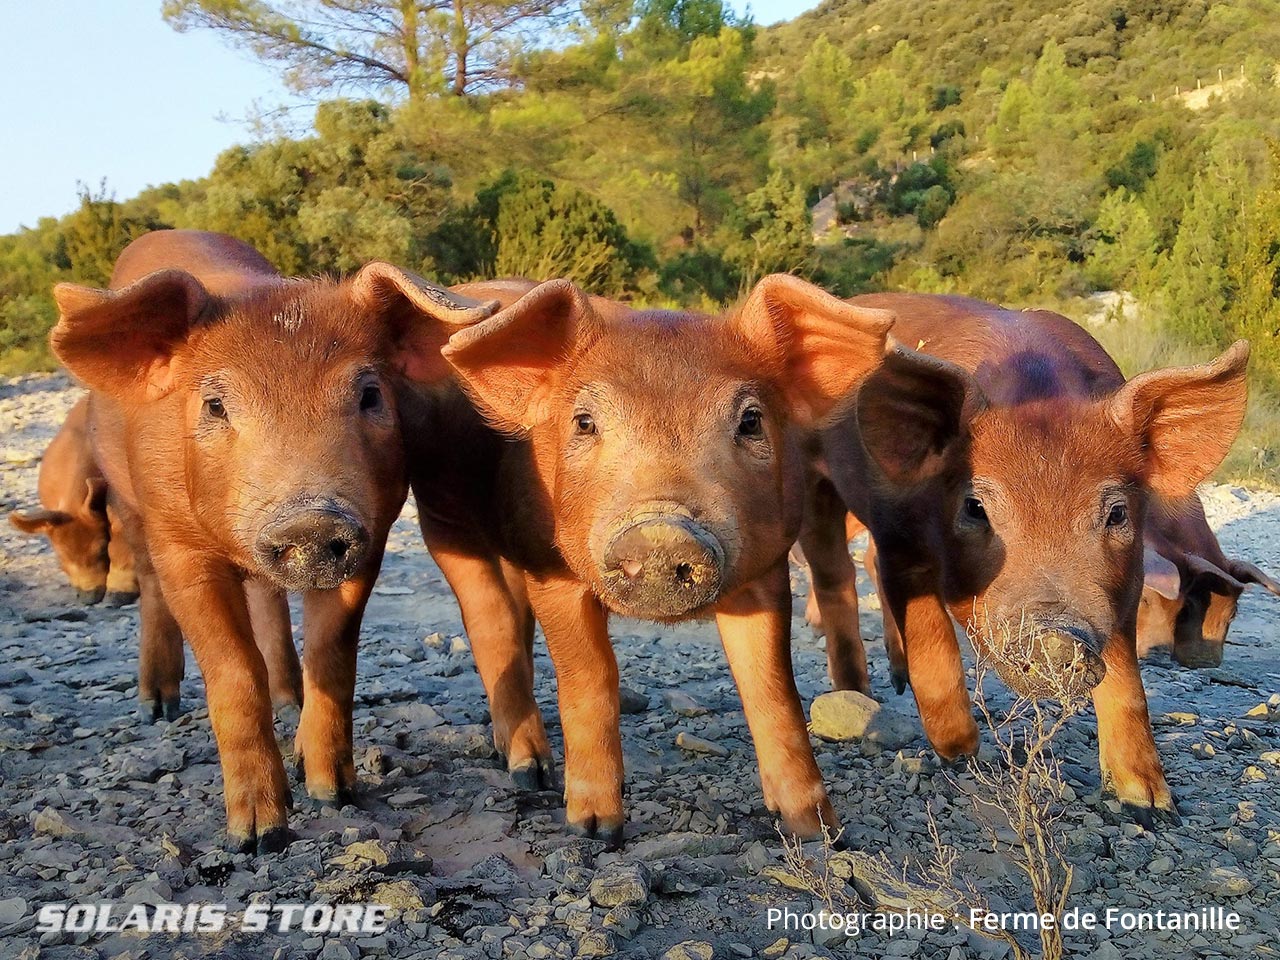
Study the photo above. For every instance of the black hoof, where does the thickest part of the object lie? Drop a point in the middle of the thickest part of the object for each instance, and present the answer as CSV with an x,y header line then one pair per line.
x,y
119,598
342,797
152,710
272,840
1151,818
534,775
610,836
899,681
173,708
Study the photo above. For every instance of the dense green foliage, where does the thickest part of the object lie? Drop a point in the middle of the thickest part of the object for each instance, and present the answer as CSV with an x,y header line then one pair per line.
x,y
1026,152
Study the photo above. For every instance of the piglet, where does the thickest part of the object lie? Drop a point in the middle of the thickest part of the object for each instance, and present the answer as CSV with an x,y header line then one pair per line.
x,y
247,427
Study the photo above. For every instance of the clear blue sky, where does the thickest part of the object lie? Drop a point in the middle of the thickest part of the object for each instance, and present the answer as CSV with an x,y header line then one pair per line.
x,y
105,88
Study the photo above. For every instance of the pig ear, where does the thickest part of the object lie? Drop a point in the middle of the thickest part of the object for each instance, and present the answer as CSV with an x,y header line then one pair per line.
x,y
509,363
1247,573
822,347
1212,577
1186,417
1159,574
419,316
914,412
39,521
95,498
122,342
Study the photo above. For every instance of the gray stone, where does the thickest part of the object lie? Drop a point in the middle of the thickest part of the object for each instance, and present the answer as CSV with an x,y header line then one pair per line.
x,y
691,950
632,701
849,715
597,943
12,910
625,883
696,744
683,704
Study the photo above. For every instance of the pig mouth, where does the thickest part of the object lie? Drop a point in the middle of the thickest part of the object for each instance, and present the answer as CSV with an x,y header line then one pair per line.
x,y
1198,654
1045,660
661,566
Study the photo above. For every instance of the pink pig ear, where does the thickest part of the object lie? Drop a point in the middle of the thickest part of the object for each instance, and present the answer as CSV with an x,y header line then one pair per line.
x,y
510,362
822,347
418,316
1185,417
1247,573
1159,574
122,342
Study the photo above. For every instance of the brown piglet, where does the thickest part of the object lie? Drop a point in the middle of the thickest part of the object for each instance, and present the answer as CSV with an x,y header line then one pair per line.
x,y
1006,477
248,424
640,463
75,517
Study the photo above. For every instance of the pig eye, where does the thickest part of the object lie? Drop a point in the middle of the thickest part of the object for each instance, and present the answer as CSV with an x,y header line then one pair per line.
x,y
584,424
1118,516
974,510
214,408
752,423
370,398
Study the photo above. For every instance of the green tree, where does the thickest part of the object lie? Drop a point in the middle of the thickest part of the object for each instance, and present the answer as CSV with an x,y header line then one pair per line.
x,y
1124,247
544,230
412,47
771,232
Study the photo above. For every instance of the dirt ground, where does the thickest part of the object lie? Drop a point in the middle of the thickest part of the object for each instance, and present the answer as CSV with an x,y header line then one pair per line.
x,y
99,807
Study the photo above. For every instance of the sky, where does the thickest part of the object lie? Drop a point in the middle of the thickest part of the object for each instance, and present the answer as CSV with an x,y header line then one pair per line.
x,y
94,89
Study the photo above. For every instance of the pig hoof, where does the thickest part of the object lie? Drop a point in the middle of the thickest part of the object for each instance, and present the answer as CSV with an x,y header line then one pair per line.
x,y
119,598
271,840
334,797
592,829
533,775
89,597
151,710
899,681
1149,817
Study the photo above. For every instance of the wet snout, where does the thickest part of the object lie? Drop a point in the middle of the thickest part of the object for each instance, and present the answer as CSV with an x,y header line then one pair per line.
x,y
662,564
312,545
1050,657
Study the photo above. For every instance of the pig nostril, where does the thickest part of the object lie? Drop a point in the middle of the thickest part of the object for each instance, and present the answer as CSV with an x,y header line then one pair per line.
x,y
338,548
684,573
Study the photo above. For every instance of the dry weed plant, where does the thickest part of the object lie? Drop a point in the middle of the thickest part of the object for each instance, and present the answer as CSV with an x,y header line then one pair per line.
x,y
1019,800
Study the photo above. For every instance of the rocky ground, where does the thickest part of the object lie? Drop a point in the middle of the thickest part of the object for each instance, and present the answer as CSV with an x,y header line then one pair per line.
x,y
96,807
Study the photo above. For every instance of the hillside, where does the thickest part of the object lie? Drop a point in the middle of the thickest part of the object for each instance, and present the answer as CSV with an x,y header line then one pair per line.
x,y
1023,152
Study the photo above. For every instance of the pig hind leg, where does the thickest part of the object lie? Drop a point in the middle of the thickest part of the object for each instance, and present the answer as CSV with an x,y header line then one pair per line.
x,y
834,586
499,623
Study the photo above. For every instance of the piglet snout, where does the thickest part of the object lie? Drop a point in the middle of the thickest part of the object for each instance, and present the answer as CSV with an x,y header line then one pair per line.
x,y
1198,654
313,545
663,566
1049,658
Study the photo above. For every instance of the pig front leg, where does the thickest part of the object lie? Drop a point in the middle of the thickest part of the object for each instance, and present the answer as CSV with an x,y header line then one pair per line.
x,y
755,628
935,669
833,586
499,622
208,602
893,645
577,633
273,633
324,748
1126,746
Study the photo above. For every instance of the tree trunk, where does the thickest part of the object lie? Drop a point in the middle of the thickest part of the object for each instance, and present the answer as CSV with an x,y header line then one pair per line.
x,y
461,48
412,51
